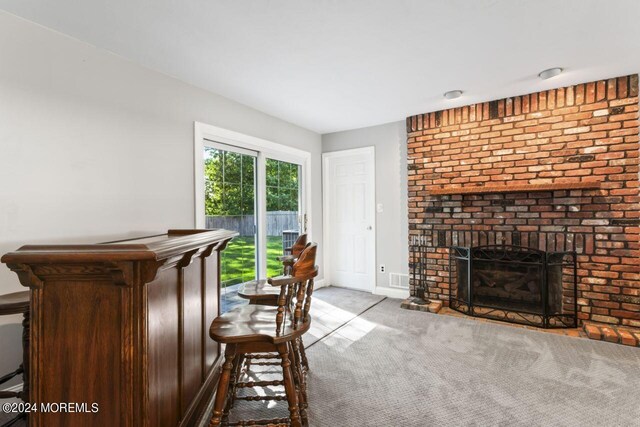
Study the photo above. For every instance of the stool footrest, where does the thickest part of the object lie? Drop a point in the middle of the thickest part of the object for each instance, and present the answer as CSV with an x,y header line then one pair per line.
x,y
266,363
13,374
275,422
259,398
10,394
262,356
260,383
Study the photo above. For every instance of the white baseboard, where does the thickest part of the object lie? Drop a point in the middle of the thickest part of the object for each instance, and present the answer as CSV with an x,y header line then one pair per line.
x,y
379,290
391,292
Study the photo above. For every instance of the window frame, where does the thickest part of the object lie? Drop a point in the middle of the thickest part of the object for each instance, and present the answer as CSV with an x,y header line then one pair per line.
x,y
216,137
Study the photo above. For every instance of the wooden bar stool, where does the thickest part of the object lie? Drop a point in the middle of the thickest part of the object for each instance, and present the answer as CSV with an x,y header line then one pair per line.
x,y
260,292
18,303
292,253
257,328
297,246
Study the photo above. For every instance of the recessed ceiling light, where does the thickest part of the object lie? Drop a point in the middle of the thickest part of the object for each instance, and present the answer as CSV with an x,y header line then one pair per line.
x,y
453,94
551,72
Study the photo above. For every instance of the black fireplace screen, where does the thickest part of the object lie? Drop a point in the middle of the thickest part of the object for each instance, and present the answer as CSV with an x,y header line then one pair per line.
x,y
514,284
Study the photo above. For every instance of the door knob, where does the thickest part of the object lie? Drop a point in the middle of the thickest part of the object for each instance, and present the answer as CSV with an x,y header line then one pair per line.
x,y
369,228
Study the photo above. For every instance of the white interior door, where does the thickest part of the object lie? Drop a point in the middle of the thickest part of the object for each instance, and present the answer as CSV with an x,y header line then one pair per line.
x,y
349,206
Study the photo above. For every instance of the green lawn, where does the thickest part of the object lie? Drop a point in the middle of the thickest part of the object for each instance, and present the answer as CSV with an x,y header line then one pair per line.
x,y
238,260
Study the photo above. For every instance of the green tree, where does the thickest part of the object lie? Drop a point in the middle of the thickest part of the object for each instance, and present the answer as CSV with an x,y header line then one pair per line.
x,y
282,186
230,184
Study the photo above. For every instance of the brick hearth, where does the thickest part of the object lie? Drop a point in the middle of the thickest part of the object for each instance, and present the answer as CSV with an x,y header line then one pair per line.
x,y
490,173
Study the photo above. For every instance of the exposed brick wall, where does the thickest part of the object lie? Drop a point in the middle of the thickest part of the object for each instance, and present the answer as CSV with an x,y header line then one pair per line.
x,y
586,132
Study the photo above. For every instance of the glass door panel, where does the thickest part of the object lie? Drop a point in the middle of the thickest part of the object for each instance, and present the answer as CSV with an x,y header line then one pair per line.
x,y
283,210
230,203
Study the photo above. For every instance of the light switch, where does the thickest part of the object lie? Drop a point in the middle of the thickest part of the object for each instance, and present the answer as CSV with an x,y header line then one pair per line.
x,y
379,208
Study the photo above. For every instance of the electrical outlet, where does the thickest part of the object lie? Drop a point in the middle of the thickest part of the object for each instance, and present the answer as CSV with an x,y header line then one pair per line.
x,y
382,268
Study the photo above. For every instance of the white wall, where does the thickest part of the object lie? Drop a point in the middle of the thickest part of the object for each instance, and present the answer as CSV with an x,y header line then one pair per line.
x,y
94,148
389,141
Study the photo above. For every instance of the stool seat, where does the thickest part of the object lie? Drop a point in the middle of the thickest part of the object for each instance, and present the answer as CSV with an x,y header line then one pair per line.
x,y
14,303
259,292
251,323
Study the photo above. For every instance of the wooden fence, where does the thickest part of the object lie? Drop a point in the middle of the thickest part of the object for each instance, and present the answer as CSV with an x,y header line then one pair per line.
x,y
277,222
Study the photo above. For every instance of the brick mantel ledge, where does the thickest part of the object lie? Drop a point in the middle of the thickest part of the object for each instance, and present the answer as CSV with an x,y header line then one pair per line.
x,y
519,188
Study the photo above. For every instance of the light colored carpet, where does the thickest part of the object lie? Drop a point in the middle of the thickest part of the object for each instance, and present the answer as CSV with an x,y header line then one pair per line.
x,y
395,367
333,307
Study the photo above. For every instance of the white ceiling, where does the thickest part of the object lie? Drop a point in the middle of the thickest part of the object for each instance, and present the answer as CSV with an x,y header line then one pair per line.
x,y
330,65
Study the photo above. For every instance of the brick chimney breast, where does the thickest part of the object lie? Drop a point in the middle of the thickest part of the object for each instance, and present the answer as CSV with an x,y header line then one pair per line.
x,y
554,170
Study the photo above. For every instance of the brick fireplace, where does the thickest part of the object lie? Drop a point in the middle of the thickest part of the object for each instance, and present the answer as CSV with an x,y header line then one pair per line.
x,y
551,171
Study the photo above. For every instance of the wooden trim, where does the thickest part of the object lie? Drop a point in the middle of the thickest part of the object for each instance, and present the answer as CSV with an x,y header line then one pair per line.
x,y
199,412
127,354
35,356
176,243
141,334
522,188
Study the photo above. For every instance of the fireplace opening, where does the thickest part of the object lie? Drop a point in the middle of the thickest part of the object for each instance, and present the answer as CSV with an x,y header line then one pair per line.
x,y
514,284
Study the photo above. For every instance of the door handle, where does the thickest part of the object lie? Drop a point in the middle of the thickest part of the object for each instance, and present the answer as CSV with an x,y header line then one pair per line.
x,y
369,227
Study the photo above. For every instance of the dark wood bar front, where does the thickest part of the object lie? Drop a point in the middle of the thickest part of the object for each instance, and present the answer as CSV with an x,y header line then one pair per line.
x,y
119,331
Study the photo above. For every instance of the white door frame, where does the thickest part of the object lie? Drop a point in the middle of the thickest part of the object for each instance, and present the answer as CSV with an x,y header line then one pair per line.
x,y
265,149
325,209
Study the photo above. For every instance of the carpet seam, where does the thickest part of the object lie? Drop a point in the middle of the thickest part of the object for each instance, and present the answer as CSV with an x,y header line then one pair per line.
x,y
345,323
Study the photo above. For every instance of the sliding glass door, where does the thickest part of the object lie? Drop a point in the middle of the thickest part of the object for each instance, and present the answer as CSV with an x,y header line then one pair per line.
x,y
230,203
258,195
283,210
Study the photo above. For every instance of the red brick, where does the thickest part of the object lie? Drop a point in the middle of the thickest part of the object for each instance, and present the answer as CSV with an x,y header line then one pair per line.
x,y
593,332
604,319
530,142
627,338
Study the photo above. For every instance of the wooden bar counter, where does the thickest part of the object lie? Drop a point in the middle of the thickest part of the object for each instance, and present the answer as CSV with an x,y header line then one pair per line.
x,y
123,325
